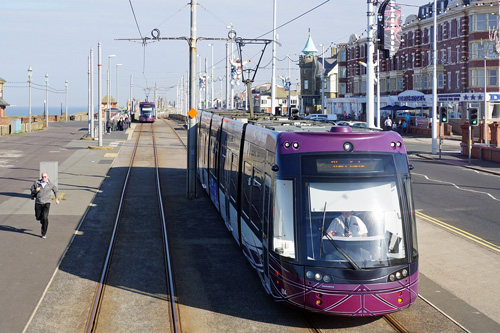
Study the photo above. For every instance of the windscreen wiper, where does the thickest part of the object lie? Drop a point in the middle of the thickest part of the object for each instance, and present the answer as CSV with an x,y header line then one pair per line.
x,y
342,252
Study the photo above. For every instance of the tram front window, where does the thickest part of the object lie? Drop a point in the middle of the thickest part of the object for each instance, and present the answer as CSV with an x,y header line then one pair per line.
x,y
355,224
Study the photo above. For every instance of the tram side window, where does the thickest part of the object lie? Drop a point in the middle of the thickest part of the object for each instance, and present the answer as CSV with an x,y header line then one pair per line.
x,y
257,198
409,196
246,188
213,157
233,180
267,204
225,174
283,223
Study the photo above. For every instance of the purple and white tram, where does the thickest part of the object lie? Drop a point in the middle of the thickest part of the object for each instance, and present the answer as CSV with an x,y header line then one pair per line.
x,y
147,112
280,184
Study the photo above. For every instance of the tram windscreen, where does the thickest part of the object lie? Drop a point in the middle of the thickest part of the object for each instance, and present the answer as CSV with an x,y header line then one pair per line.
x,y
355,223
147,110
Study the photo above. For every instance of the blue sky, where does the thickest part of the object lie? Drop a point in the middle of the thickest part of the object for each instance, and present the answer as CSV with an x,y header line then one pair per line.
x,y
55,37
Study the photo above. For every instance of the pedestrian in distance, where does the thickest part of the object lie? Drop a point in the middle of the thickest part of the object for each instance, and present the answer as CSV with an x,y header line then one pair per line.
x,y
388,123
41,191
109,124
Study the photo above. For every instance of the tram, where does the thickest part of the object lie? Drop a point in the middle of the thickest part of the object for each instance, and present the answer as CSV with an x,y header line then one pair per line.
x,y
281,187
147,112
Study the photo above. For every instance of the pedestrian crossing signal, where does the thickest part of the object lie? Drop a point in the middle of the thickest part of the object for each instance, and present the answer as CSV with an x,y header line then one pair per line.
x,y
443,115
473,117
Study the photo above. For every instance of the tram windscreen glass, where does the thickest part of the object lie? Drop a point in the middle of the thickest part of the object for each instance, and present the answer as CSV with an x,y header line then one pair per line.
x,y
341,165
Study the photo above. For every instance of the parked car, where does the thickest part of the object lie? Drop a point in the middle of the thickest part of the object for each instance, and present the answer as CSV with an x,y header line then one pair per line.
x,y
360,124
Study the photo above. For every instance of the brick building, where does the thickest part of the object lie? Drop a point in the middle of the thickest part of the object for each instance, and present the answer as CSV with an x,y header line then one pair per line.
x,y
311,75
467,37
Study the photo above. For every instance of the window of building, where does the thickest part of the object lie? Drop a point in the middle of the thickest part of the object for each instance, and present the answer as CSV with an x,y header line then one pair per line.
x,y
343,72
343,55
491,52
472,51
306,84
457,78
472,78
480,47
429,58
413,60
449,81
458,54
449,54
458,27
480,77
343,88
441,80
480,22
492,77
471,23
426,82
492,21
388,85
400,84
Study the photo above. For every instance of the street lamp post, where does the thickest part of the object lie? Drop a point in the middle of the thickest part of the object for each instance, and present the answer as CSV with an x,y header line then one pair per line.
x,y
108,101
46,100
117,65
30,72
212,77
66,85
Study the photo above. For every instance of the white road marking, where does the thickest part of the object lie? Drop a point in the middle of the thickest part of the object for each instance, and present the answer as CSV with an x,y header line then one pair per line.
x,y
456,186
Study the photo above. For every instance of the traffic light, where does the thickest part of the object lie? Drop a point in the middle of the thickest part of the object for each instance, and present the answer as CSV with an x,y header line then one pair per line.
x,y
443,115
473,117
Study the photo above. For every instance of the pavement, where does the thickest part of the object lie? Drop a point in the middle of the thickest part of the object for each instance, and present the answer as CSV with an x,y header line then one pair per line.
x,y
27,262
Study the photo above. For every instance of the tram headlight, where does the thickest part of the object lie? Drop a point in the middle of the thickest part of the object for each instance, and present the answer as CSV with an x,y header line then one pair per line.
x,y
398,275
348,147
295,145
286,145
318,276
309,275
327,279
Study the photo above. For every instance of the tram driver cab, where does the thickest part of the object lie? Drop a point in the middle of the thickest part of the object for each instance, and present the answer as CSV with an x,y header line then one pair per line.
x,y
355,224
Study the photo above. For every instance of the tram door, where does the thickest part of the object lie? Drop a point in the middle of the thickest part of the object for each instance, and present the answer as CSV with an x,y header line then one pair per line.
x,y
265,227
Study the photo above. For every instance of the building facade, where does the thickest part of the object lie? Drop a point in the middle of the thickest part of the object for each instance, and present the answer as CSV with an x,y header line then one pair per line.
x,y
3,103
467,63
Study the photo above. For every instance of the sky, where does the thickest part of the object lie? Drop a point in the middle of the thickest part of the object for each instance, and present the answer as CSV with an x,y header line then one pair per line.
x,y
55,37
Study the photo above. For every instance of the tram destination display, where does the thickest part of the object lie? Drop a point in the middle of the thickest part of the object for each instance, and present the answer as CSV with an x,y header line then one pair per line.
x,y
341,165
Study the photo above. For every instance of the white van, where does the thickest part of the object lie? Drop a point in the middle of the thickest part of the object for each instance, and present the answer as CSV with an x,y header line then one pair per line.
x,y
322,117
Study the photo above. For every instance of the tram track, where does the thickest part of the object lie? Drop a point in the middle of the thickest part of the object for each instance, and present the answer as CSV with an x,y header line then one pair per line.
x,y
136,279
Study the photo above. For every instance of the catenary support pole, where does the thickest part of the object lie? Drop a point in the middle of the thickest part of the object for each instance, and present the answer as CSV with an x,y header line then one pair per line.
x,y
191,156
99,94
434,83
370,98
